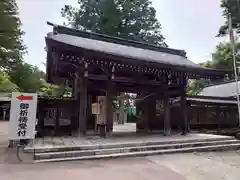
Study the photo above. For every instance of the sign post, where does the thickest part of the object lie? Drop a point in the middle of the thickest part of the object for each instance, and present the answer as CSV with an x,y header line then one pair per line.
x,y
22,116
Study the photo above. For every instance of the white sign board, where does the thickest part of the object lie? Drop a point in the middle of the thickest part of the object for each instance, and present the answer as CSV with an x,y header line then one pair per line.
x,y
22,116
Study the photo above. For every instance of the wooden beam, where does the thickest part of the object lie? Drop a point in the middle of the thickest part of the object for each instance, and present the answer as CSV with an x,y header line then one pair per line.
x,y
83,105
184,111
151,111
109,108
75,87
167,118
57,122
99,77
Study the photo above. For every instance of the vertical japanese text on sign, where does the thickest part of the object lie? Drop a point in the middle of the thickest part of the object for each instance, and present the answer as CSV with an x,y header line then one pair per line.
x,y
23,118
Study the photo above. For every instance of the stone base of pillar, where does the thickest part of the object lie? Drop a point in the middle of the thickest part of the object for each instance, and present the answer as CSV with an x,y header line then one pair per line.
x,y
167,132
78,134
184,133
11,144
109,134
144,131
75,133
102,129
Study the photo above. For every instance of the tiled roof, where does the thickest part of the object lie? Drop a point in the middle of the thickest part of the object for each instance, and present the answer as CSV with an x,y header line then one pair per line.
x,y
208,100
220,90
133,50
123,50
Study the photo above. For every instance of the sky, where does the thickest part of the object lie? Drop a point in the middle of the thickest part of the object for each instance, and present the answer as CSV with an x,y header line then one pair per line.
x,y
191,25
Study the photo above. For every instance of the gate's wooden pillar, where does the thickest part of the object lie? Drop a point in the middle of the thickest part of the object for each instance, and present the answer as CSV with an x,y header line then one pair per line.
x,y
143,113
167,119
151,105
57,122
83,98
184,107
83,106
75,87
146,113
138,113
40,113
110,92
90,119
109,109
75,105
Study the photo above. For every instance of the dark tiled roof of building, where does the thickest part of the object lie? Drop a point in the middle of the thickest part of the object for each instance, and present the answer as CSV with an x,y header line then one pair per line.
x,y
226,89
121,41
127,48
209,100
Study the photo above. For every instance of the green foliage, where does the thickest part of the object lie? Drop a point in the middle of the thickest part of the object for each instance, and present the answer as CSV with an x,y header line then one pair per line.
x,y
222,58
195,86
230,7
53,90
207,64
15,75
11,46
26,77
135,19
5,83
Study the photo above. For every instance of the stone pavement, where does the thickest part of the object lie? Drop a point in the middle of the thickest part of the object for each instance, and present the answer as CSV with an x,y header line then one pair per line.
x,y
3,139
50,142
126,127
195,166
3,133
190,166
200,166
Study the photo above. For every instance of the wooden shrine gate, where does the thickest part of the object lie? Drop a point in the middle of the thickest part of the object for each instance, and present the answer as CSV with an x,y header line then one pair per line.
x,y
99,65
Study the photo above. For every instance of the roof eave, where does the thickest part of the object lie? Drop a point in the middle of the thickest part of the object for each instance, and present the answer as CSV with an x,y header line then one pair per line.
x,y
214,73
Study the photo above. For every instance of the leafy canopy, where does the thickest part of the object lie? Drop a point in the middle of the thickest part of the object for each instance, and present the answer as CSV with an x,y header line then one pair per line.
x,y
222,58
16,75
130,19
230,7
26,77
11,45
5,83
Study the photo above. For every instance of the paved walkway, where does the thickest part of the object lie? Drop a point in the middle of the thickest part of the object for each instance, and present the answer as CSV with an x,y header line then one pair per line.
x,y
3,133
196,166
3,140
126,127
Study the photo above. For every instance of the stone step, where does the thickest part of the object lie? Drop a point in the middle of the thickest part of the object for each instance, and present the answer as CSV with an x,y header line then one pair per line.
x,y
118,145
147,153
124,150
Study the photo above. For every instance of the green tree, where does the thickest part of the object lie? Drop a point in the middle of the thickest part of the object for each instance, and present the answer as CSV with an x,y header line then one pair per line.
x,y
53,90
195,86
222,58
26,77
230,7
5,83
135,19
206,64
11,45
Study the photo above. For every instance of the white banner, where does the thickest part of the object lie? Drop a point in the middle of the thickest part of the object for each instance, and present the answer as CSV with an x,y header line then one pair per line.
x,y
22,116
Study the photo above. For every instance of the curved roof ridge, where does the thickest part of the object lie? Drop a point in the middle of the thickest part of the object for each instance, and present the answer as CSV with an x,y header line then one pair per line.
x,y
103,37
